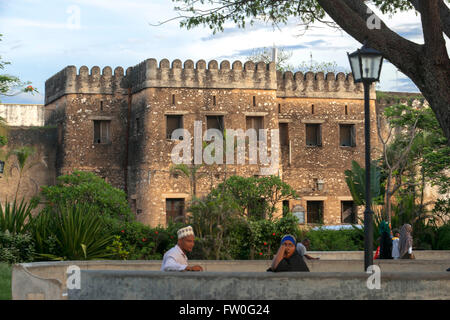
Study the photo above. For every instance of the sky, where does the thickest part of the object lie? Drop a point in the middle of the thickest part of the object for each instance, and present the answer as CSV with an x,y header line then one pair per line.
x,y
41,37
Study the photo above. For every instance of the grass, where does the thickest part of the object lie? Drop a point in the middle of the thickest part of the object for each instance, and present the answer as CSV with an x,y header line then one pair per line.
x,y
5,281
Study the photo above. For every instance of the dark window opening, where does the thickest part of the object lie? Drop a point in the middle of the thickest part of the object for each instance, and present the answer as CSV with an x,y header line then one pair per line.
x,y
101,105
346,110
256,123
173,122
313,134
175,210
257,208
138,126
284,134
215,122
348,212
254,101
312,109
286,208
347,135
315,212
214,100
102,131
173,99
279,108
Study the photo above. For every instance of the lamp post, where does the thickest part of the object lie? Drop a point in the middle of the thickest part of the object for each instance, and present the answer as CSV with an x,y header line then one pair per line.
x,y
2,166
366,68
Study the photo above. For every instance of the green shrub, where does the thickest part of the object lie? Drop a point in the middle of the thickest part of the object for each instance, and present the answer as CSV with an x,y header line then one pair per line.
x,y
143,242
336,240
86,187
73,232
16,248
443,238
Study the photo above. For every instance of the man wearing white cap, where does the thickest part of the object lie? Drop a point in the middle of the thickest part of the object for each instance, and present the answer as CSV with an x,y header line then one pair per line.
x,y
175,259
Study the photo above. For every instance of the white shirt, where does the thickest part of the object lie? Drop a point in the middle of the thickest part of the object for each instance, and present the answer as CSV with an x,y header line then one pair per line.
x,y
395,251
301,249
174,260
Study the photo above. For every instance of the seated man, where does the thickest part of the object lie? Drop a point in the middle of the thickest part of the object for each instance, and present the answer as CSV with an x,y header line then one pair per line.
x,y
301,248
175,259
287,257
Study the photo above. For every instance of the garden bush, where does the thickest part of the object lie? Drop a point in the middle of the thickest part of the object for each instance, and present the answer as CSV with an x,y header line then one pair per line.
x,y
86,187
336,240
16,248
141,242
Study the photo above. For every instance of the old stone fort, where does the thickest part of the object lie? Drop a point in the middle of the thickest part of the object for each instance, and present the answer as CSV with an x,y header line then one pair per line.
x,y
118,125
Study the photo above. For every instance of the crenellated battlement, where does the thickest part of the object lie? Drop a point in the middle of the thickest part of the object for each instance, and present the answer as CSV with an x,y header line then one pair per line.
x,y
150,74
212,75
317,85
69,81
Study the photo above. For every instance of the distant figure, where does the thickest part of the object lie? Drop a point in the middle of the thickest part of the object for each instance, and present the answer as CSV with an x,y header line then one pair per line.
x,y
175,259
395,244
287,258
406,242
302,248
385,241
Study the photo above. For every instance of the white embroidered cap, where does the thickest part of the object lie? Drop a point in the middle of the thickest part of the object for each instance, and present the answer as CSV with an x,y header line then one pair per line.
x,y
184,232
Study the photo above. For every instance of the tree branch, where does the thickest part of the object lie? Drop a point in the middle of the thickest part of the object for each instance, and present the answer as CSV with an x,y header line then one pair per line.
x,y
444,13
352,16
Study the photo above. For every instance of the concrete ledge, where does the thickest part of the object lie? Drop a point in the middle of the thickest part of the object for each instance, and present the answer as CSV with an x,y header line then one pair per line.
x,y
156,285
47,280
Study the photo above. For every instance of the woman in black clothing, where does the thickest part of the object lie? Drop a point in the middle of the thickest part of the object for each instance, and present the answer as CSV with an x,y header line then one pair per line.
x,y
287,258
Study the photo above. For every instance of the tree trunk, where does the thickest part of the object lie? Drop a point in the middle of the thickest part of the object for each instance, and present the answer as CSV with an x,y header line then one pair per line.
x,y
427,65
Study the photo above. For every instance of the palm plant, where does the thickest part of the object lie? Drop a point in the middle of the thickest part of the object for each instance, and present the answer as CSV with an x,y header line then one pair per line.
x,y
15,217
356,182
77,231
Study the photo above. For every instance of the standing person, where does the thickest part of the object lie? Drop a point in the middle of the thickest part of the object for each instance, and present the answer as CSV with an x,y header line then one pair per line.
x,y
406,242
302,248
385,241
395,244
287,258
175,259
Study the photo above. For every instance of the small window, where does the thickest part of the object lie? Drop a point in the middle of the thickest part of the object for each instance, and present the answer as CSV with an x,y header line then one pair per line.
x,y
286,208
173,122
313,134
215,122
346,109
312,109
314,212
347,135
138,126
279,108
256,123
102,131
214,100
173,99
175,210
348,212
254,101
284,134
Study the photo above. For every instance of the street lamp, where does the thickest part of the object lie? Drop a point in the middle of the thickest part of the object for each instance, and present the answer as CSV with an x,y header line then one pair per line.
x,y
2,166
366,68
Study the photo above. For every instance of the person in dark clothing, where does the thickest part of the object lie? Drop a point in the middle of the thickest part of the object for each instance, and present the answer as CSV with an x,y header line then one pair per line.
x,y
385,241
287,258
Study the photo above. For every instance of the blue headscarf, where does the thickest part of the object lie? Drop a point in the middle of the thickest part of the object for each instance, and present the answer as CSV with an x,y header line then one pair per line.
x,y
290,238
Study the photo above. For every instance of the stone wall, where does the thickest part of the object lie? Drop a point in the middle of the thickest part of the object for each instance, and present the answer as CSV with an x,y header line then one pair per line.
x,y
23,114
40,168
